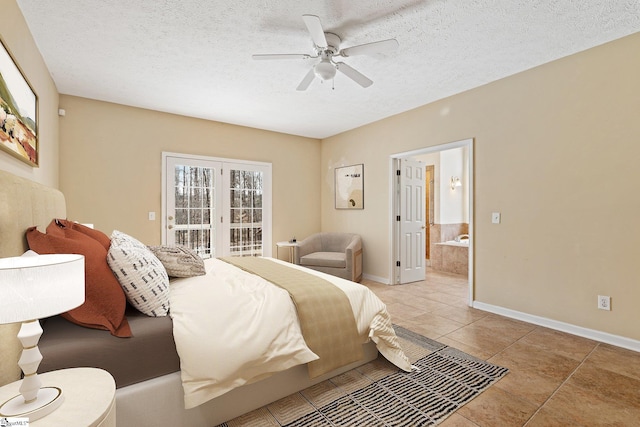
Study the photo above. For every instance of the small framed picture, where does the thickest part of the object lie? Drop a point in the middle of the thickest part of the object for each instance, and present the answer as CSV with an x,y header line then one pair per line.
x,y
350,187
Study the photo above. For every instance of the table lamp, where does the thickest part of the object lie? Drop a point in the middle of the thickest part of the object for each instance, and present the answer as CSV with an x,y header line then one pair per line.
x,y
33,287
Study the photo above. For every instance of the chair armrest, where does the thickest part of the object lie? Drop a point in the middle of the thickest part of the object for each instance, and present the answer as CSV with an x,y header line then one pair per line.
x,y
353,250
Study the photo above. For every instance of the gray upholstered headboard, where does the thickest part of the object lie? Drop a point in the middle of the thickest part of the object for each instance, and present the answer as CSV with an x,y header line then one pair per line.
x,y
23,204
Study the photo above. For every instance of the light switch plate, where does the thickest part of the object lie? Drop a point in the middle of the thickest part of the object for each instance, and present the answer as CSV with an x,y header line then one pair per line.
x,y
495,217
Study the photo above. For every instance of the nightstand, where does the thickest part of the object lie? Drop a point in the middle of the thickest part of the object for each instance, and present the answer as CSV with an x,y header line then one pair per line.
x,y
89,398
288,255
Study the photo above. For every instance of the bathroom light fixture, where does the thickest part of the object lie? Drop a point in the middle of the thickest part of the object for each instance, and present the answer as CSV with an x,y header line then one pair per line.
x,y
455,182
34,287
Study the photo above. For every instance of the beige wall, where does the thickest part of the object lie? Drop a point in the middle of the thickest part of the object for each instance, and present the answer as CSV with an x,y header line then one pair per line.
x,y
110,166
17,38
557,152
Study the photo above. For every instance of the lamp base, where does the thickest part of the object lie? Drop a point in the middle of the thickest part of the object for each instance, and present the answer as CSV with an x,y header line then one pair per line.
x,y
48,400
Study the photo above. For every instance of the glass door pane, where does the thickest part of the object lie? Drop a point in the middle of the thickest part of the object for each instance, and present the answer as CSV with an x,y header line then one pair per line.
x,y
245,212
191,205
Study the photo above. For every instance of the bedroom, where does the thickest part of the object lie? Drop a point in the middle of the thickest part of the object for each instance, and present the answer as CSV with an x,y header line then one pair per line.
x,y
555,153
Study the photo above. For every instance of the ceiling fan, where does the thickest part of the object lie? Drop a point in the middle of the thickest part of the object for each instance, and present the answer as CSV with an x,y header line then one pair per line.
x,y
327,47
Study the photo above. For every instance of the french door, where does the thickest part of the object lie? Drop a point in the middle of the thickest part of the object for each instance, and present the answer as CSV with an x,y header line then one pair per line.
x,y
218,207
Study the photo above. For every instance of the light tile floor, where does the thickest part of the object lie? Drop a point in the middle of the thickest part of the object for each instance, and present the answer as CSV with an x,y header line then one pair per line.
x,y
555,379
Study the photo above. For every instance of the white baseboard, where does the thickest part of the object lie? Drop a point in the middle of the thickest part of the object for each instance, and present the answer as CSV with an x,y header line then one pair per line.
x,y
604,337
383,280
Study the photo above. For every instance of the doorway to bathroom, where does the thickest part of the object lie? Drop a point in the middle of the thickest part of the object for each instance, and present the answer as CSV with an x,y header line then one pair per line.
x,y
445,226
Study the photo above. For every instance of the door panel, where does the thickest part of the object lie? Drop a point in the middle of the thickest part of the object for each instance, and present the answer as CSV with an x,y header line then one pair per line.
x,y
412,221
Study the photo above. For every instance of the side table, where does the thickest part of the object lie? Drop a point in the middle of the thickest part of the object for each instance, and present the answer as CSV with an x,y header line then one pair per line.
x,y
89,398
289,253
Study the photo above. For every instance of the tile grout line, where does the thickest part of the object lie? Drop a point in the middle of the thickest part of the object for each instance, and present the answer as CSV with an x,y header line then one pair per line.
x,y
563,383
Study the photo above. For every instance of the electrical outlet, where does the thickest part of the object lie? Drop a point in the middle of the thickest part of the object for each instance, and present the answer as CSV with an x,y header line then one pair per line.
x,y
152,216
604,302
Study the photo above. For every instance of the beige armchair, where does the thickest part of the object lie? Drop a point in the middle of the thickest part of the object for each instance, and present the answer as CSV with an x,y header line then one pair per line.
x,y
338,254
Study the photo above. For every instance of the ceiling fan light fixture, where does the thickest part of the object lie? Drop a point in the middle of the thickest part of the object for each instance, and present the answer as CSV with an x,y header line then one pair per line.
x,y
325,70
326,47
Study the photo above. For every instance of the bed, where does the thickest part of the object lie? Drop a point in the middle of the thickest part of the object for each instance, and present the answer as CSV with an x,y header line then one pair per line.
x,y
155,385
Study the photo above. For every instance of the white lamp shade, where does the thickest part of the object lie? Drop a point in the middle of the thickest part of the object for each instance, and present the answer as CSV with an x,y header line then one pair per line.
x,y
38,286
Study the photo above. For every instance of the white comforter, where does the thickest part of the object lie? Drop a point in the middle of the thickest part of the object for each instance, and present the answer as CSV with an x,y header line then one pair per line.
x,y
233,328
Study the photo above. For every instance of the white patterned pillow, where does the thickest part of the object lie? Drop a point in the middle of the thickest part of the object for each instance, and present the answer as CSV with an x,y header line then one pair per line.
x,y
122,239
179,261
140,273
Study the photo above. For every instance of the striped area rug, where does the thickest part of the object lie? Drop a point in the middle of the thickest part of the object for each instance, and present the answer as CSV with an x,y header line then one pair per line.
x,y
378,394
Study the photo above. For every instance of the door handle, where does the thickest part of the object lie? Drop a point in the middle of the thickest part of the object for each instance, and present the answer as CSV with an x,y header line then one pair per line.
x,y
170,218
169,226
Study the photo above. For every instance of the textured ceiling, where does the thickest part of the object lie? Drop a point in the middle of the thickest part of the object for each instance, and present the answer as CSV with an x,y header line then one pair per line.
x,y
193,57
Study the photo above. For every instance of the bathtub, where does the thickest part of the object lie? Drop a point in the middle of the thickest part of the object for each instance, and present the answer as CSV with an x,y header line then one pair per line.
x,y
463,243
451,256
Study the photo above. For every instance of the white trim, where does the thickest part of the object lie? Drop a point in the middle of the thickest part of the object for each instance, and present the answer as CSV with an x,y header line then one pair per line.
x,y
213,159
593,334
383,280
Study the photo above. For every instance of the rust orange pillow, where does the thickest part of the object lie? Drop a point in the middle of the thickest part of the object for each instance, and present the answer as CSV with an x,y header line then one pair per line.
x,y
98,235
105,301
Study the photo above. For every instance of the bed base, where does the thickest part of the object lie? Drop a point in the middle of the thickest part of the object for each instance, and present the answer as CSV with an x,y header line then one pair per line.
x,y
160,401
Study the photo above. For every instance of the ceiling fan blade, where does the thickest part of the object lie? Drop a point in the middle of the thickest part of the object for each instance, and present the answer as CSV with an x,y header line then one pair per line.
x,y
315,29
354,75
268,56
382,46
306,81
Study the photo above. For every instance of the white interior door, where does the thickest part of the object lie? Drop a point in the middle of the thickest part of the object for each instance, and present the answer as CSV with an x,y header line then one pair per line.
x,y
412,221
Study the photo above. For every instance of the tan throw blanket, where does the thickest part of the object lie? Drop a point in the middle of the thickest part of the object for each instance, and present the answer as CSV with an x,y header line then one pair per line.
x,y
326,317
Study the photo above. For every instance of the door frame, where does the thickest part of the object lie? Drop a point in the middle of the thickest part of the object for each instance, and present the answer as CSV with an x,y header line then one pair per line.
x,y
267,201
393,200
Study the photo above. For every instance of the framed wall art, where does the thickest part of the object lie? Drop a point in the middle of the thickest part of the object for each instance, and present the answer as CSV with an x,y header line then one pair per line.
x,y
18,111
350,187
